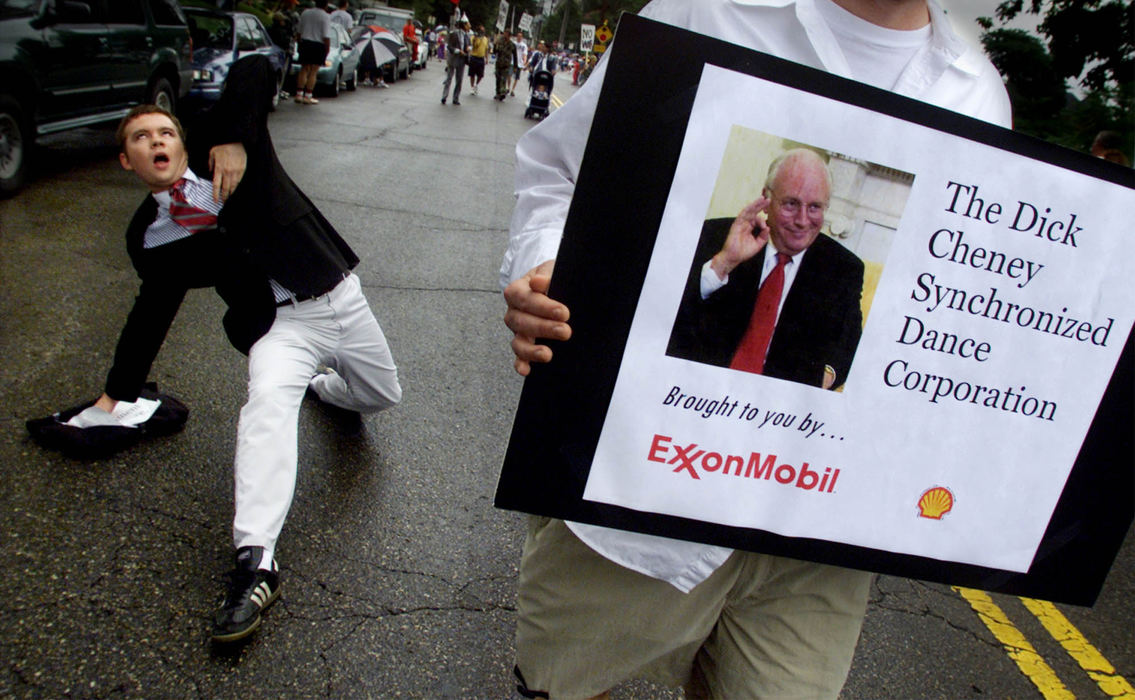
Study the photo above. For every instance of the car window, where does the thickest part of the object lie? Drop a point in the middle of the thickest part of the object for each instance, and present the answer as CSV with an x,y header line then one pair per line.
x,y
167,12
256,34
81,12
211,31
18,8
245,37
261,34
125,12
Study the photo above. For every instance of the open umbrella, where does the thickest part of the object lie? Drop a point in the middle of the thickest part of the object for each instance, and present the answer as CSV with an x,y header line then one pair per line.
x,y
392,41
376,50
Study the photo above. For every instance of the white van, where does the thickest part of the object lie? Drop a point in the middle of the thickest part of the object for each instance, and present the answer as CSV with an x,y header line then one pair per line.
x,y
391,18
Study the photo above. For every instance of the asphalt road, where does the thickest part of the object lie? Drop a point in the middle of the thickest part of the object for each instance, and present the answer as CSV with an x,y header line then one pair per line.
x,y
398,575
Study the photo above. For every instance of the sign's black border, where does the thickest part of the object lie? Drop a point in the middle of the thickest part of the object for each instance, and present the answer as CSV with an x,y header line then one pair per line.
x,y
623,185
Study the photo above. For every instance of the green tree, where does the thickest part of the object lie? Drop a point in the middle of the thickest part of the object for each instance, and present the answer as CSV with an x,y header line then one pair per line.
x,y
1089,41
1037,92
576,12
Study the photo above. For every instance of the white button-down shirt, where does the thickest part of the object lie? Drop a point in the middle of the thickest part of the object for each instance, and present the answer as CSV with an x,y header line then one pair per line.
x,y
944,71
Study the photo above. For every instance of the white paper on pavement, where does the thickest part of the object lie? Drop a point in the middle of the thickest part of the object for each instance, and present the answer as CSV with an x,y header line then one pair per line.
x,y
126,414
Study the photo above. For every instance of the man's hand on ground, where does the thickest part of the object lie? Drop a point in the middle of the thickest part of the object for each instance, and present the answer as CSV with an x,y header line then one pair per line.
x,y
533,314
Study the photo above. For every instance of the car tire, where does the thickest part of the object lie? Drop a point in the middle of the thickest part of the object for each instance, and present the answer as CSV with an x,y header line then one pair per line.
x,y
353,81
335,83
162,94
15,143
406,73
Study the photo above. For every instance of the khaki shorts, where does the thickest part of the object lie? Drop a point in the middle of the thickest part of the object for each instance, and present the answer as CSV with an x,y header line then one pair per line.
x,y
759,626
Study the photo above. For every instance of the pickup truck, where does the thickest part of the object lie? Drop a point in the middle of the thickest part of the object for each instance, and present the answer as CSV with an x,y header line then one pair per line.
x,y
75,63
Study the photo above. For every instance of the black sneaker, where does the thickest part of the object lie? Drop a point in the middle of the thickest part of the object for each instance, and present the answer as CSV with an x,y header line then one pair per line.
x,y
250,591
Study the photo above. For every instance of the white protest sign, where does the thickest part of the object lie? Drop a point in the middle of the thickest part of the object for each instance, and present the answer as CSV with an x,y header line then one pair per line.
x,y
502,15
586,37
998,298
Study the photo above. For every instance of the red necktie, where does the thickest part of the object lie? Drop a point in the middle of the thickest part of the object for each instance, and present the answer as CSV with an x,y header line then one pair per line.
x,y
751,351
188,216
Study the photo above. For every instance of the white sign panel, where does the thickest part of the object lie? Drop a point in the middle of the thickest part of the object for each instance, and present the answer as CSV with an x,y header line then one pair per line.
x,y
586,37
502,15
997,297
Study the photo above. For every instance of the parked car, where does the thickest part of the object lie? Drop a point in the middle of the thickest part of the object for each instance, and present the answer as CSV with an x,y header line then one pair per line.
x,y
73,63
219,39
341,69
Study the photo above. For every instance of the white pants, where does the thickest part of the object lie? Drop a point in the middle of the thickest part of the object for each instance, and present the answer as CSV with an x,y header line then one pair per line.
x,y
336,329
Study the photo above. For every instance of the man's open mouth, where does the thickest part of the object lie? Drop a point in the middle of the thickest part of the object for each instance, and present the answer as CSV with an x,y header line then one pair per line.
x,y
161,158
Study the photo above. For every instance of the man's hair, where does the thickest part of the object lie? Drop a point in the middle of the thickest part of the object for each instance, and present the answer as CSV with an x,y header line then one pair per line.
x,y
796,154
120,133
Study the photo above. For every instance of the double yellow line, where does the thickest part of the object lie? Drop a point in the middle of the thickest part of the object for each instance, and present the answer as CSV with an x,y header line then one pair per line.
x,y
1030,662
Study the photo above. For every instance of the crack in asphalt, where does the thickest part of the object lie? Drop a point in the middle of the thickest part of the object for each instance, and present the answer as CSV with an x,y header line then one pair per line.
x,y
925,612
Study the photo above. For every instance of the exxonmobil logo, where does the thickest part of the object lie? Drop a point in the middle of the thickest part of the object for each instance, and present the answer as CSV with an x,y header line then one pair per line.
x,y
694,461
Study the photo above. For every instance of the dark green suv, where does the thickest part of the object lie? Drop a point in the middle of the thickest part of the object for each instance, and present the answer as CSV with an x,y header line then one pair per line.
x,y
72,63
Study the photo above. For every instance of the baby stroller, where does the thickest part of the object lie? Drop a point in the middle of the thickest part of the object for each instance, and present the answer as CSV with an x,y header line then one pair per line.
x,y
541,97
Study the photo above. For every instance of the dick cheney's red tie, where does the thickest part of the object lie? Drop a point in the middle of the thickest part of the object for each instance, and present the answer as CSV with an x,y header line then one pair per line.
x,y
192,218
751,351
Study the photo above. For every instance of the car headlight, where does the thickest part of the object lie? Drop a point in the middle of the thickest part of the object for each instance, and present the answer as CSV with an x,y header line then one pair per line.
x,y
203,75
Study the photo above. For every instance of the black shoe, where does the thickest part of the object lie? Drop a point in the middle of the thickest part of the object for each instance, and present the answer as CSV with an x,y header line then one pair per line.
x,y
250,591
443,100
456,103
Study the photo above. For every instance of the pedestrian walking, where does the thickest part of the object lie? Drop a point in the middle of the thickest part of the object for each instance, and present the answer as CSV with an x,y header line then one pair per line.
x,y
478,56
506,57
519,63
457,51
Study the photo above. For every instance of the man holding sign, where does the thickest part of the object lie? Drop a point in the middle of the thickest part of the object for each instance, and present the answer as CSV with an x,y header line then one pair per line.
x,y
600,606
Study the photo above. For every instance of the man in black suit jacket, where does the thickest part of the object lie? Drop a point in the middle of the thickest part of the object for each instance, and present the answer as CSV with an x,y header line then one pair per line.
x,y
293,304
818,324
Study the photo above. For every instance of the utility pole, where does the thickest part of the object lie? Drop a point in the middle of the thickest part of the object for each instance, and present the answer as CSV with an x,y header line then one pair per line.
x,y
563,21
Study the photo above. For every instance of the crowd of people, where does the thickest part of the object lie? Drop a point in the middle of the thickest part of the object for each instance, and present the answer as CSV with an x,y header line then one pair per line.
x,y
465,52
468,51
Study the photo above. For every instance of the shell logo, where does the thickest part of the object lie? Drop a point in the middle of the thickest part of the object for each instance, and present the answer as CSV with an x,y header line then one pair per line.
x,y
935,503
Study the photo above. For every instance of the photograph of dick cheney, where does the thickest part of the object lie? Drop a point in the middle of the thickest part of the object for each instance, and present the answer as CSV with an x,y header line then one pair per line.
x,y
767,292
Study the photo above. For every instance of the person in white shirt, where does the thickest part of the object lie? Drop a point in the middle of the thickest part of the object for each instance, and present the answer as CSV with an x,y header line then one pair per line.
x,y
600,606
521,62
342,16
314,36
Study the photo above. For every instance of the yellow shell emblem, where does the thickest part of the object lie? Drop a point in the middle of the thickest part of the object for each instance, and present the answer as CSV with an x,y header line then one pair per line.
x,y
935,503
